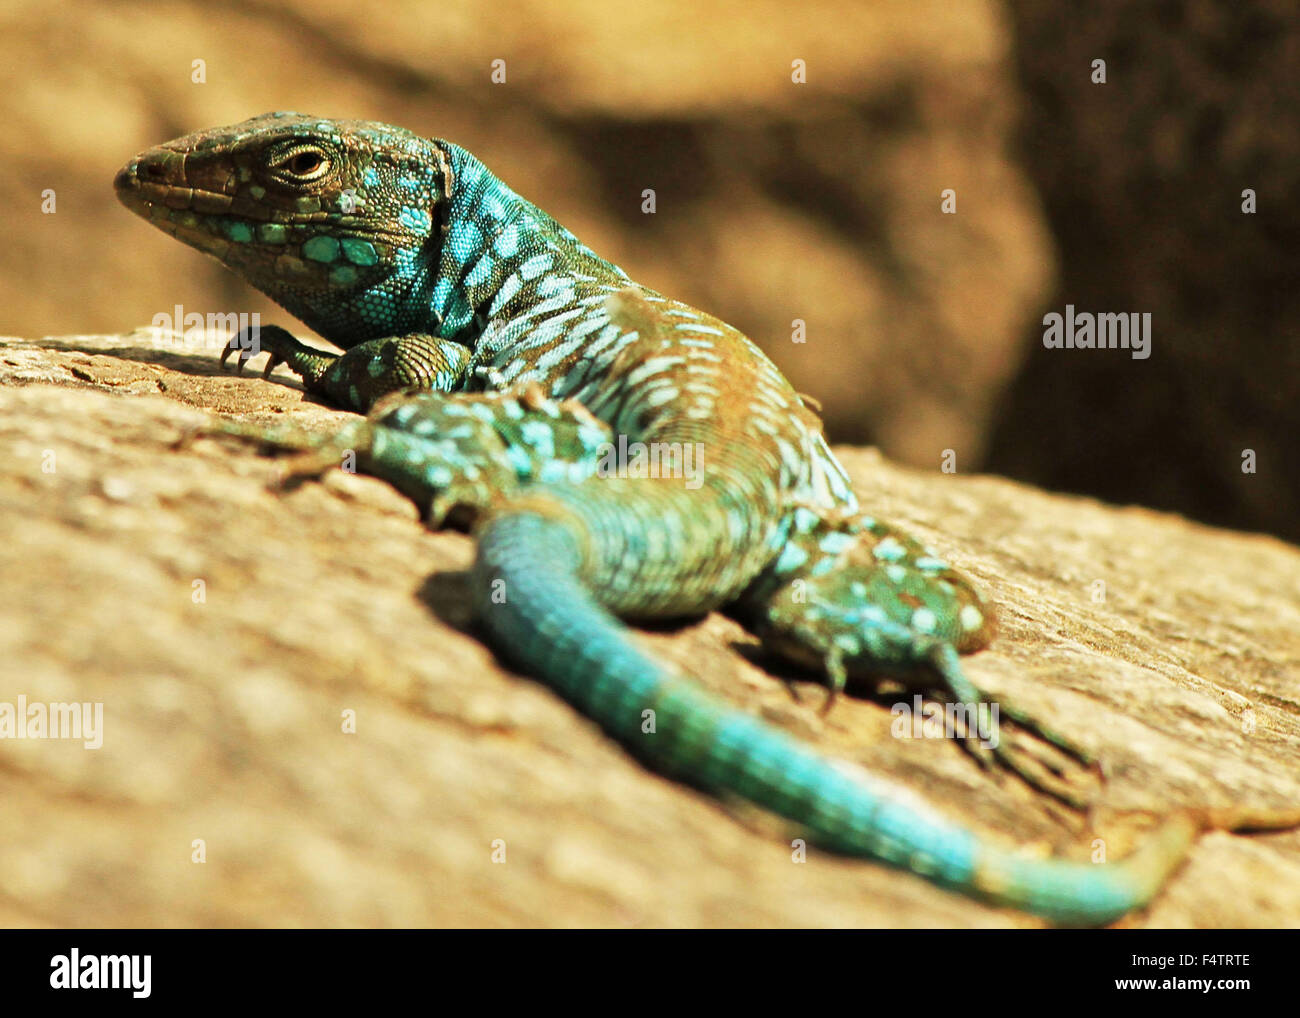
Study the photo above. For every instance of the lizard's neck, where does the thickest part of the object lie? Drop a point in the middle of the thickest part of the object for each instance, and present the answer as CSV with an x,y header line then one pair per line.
x,y
460,244
498,248
480,249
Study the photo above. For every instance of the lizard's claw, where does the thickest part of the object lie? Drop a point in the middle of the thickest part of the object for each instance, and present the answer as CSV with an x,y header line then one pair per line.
x,y
1044,766
307,465
313,453
1038,770
271,339
244,431
836,678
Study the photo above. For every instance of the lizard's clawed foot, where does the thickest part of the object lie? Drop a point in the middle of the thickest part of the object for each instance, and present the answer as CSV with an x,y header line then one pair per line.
x,y
283,348
1047,763
1038,767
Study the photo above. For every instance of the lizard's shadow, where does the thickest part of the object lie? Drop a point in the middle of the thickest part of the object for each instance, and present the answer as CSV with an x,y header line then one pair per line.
x,y
447,595
201,362
804,682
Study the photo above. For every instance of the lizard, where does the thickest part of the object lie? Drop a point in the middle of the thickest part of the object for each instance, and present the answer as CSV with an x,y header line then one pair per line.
x,y
497,360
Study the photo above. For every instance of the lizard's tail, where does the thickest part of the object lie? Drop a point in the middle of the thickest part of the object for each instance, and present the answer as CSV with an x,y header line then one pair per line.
x,y
1095,893
532,600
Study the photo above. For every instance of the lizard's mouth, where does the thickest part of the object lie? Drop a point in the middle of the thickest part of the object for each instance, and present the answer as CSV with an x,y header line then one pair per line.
x,y
156,178
152,185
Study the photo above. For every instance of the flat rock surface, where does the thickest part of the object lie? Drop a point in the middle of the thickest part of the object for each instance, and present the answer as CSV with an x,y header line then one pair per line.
x,y
229,629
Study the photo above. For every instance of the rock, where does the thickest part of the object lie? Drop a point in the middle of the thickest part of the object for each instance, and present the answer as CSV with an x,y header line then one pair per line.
x,y
229,629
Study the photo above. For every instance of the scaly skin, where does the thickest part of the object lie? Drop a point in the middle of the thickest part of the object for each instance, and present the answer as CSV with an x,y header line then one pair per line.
x,y
534,355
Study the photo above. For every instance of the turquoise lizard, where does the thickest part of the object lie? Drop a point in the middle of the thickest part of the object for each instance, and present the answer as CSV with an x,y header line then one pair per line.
x,y
501,360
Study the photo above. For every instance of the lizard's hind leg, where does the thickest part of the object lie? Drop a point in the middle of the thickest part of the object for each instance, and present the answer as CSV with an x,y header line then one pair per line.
x,y
858,598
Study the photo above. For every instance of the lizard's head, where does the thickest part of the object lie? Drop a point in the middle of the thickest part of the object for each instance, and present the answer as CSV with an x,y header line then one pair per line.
x,y
303,207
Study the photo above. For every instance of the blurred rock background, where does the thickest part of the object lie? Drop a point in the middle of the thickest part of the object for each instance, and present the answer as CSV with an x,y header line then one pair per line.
x,y
779,201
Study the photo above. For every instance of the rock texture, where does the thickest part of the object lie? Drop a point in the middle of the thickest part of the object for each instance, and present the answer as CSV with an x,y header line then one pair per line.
x,y
1169,648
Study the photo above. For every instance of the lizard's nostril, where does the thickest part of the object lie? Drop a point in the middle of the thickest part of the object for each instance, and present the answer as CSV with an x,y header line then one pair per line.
x,y
126,176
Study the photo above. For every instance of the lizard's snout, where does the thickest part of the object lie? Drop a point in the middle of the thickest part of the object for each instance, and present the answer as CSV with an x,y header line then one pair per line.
x,y
126,177
148,175
128,188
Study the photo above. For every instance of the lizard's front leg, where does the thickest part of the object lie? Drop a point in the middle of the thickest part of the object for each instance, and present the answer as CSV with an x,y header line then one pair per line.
x,y
454,455
464,453
367,372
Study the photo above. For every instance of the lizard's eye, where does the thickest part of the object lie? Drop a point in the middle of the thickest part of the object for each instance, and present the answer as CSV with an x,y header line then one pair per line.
x,y
303,164
306,164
